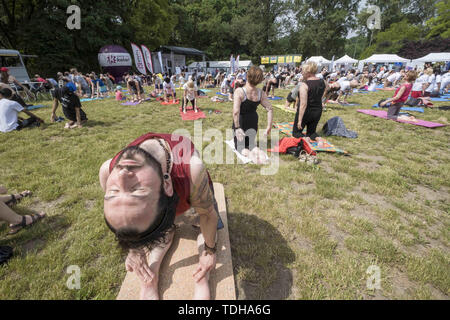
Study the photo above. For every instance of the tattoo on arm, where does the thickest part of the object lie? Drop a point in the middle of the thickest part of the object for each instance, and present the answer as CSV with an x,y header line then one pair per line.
x,y
202,198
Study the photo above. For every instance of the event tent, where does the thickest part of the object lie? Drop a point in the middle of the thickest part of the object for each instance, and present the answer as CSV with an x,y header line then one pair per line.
x,y
345,60
385,58
435,57
319,60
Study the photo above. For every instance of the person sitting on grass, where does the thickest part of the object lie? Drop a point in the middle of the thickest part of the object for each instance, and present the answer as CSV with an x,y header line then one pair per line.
x,y
190,95
9,111
119,95
146,186
71,106
400,97
169,90
17,222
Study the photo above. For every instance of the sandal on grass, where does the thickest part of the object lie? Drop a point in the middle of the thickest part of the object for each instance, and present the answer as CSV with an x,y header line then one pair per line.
x,y
16,199
18,227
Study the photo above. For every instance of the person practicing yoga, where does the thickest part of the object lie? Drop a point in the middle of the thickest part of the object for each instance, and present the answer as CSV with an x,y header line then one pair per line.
x,y
421,84
71,106
335,91
273,82
190,95
17,222
292,98
9,114
245,117
169,90
400,97
134,88
309,110
153,180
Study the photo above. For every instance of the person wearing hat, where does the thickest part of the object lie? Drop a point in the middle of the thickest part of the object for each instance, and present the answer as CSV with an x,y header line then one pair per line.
x,y
9,111
71,106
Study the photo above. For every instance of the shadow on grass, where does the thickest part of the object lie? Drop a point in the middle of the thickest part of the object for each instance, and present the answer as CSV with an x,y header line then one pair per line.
x,y
94,123
261,256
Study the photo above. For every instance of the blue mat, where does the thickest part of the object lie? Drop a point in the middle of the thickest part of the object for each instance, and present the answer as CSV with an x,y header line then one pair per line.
x,y
36,107
205,90
222,94
440,99
416,109
276,98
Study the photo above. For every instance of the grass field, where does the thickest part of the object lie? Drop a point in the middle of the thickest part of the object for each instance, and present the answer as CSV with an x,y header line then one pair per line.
x,y
304,233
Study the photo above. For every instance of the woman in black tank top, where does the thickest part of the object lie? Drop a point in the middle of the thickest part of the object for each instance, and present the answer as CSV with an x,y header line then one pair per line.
x,y
245,117
309,111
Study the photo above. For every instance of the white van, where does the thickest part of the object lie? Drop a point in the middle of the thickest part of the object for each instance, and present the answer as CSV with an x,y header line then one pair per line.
x,y
12,60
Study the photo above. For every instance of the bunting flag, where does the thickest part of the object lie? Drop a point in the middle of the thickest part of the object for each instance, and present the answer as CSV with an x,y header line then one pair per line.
x,y
232,64
138,59
147,58
160,61
237,64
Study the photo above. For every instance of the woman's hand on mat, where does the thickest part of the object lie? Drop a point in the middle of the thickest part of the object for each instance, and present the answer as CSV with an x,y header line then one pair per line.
x,y
137,262
206,264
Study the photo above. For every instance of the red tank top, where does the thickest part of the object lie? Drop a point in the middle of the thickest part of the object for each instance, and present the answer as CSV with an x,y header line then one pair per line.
x,y
404,97
182,150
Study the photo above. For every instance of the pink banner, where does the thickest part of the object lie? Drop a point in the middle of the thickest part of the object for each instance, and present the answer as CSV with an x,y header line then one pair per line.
x,y
138,59
147,58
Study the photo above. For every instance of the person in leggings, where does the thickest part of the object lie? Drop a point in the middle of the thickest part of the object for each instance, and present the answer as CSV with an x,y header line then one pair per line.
x,y
245,117
400,97
309,111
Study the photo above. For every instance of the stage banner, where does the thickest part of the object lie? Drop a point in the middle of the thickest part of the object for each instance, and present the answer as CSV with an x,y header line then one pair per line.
x,y
147,58
281,59
265,60
274,59
297,59
289,59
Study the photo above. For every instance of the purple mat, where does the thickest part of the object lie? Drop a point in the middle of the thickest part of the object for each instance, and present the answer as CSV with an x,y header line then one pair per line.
x,y
130,103
383,115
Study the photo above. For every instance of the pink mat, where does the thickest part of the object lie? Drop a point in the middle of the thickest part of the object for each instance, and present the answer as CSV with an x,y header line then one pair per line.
x,y
171,102
191,115
383,115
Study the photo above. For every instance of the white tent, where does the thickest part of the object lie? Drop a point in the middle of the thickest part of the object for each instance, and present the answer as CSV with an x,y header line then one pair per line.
x,y
319,60
435,57
245,64
345,60
385,58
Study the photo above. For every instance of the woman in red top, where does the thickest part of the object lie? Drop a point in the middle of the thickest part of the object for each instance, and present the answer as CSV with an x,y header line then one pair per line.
x,y
400,97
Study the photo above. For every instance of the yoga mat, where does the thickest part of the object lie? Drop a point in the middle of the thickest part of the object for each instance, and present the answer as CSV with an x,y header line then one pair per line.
x,y
170,103
205,90
176,281
36,107
222,94
190,115
416,109
440,99
280,106
383,115
130,103
288,127
276,98
386,89
349,104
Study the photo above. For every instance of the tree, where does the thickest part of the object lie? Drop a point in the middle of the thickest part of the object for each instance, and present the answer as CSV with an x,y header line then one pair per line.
x,y
440,25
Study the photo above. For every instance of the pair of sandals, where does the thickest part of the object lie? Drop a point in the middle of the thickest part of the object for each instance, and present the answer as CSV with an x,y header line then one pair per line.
x,y
34,217
308,158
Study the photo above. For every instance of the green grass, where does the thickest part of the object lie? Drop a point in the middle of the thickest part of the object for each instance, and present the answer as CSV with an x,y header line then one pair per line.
x,y
304,233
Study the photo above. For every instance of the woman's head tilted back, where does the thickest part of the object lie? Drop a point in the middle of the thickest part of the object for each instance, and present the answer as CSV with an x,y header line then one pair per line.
x,y
310,68
411,76
255,76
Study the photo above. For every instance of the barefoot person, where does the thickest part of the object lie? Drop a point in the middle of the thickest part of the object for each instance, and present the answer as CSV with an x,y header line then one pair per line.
x,y
400,97
245,117
158,177
71,106
309,111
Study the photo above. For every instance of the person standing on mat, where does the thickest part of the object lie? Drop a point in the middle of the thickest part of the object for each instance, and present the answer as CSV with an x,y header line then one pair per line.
x,y
292,97
245,117
400,97
190,95
154,179
309,110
